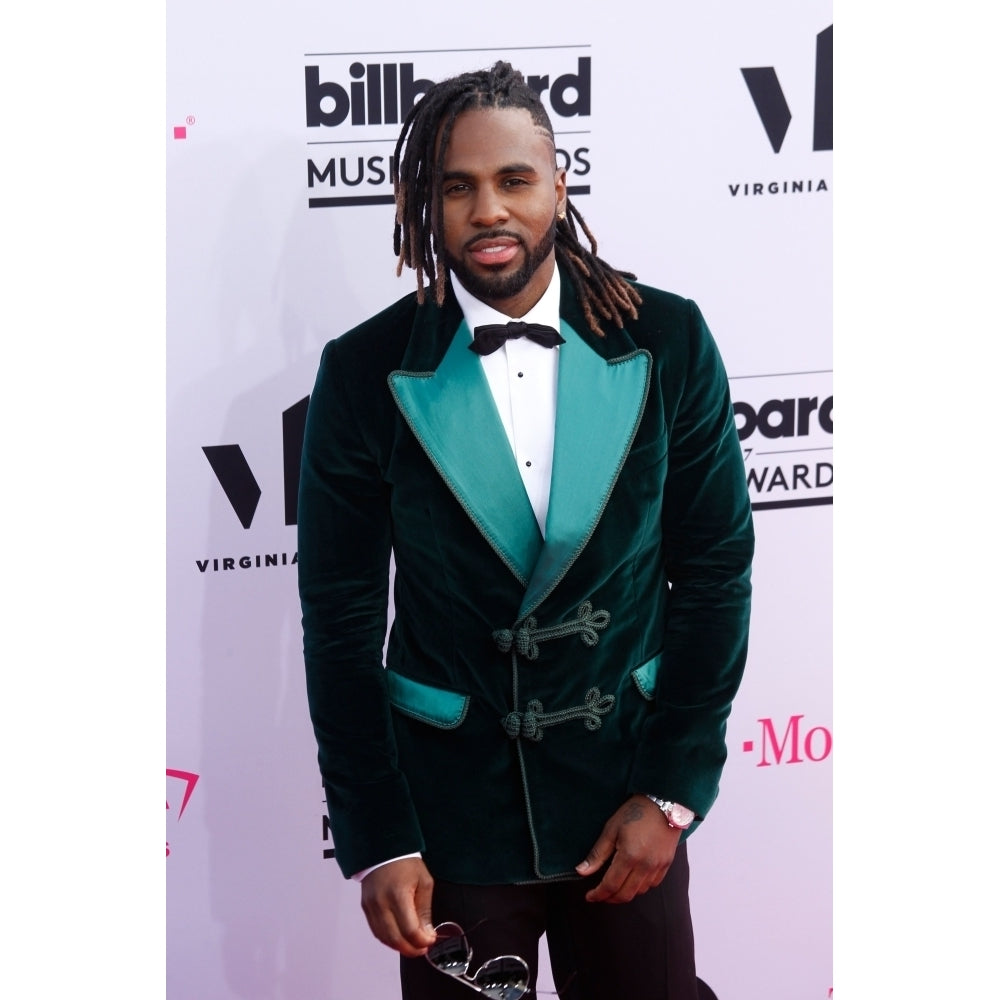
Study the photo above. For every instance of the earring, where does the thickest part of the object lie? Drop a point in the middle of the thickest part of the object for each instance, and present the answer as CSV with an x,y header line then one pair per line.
x,y
561,216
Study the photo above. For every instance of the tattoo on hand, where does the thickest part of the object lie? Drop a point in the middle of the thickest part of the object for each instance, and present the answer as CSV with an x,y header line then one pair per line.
x,y
633,812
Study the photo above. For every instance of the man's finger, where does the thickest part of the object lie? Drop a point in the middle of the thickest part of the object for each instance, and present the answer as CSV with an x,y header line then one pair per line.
x,y
413,916
599,853
422,900
614,878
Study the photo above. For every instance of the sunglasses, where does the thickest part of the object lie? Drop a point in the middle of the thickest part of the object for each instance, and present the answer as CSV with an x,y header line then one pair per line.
x,y
502,978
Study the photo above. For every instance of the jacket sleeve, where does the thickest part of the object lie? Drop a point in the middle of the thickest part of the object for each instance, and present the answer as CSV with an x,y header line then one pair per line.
x,y
708,544
344,557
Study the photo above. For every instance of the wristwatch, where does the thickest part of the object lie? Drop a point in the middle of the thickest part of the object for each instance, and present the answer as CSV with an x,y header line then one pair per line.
x,y
679,817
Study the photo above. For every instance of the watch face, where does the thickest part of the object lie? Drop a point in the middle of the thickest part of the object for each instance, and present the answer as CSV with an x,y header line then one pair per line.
x,y
681,816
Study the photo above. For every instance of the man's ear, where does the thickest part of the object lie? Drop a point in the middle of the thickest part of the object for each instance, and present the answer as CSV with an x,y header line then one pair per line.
x,y
561,198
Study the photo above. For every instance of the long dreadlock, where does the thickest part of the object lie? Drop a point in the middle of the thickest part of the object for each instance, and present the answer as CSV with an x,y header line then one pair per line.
x,y
419,231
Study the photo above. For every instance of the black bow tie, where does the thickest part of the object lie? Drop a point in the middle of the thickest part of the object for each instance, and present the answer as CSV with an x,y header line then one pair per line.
x,y
491,337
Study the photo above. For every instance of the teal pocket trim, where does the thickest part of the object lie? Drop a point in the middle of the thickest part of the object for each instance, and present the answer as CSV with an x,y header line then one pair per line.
x,y
444,709
645,677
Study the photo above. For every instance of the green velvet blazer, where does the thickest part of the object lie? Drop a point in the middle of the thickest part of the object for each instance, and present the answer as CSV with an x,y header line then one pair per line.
x,y
528,686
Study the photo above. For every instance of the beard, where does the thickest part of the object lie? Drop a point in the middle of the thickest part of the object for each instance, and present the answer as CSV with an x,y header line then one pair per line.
x,y
497,287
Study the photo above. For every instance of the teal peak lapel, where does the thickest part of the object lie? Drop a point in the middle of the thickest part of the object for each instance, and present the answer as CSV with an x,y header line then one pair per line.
x,y
600,404
452,414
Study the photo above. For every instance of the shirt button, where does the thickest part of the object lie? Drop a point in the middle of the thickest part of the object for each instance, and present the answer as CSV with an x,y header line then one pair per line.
x,y
528,464
520,374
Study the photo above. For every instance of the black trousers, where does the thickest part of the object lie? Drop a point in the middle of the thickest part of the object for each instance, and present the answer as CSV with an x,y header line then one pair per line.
x,y
642,950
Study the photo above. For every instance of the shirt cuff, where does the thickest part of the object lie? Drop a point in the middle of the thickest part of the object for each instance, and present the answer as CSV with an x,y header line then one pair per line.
x,y
358,876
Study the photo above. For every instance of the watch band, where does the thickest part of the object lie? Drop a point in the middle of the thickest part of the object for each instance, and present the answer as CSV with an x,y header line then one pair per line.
x,y
678,817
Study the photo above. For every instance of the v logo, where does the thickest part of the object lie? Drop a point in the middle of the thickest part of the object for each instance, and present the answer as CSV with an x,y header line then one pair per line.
x,y
237,479
769,99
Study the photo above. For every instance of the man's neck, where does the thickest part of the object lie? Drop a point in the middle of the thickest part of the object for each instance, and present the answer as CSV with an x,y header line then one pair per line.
x,y
545,309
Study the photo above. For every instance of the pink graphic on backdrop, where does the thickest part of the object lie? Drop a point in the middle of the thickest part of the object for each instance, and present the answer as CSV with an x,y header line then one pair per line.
x,y
181,131
791,742
190,779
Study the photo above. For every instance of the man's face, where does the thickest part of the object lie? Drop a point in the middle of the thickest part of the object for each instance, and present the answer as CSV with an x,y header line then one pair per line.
x,y
501,193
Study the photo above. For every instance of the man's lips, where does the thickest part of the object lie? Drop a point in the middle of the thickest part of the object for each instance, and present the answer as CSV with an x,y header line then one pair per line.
x,y
493,251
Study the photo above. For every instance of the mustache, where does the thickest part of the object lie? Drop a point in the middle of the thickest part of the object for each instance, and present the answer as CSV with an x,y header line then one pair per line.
x,y
494,234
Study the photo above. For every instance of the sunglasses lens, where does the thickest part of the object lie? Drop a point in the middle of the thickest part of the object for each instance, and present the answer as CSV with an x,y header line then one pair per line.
x,y
503,978
450,952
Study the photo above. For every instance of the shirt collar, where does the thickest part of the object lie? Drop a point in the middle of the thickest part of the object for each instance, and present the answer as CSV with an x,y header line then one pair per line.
x,y
478,313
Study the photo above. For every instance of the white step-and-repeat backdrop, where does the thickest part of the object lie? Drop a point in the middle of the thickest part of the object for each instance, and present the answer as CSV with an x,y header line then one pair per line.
x,y
698,140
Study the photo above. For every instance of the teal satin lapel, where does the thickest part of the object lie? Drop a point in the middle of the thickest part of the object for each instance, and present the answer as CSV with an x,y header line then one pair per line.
x,y
452,415
600,405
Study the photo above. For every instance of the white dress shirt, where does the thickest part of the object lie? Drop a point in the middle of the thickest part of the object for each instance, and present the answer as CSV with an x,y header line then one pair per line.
x,y
523,377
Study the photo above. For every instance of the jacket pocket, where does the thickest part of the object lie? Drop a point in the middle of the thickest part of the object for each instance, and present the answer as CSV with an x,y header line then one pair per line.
x,y
644,676
444,709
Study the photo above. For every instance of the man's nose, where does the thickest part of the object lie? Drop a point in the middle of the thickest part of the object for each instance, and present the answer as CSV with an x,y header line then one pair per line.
x,y
490,208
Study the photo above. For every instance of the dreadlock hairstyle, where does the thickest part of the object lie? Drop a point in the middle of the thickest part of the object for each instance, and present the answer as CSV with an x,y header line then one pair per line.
x,y
419,231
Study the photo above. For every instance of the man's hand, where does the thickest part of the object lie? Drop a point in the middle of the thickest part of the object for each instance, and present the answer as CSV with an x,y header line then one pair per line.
x,y
396,899
642,845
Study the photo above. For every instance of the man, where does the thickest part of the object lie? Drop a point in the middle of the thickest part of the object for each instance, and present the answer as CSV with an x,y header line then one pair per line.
x,y
572,540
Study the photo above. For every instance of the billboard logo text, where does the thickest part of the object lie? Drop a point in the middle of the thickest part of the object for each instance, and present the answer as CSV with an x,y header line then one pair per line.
x,y
385,93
